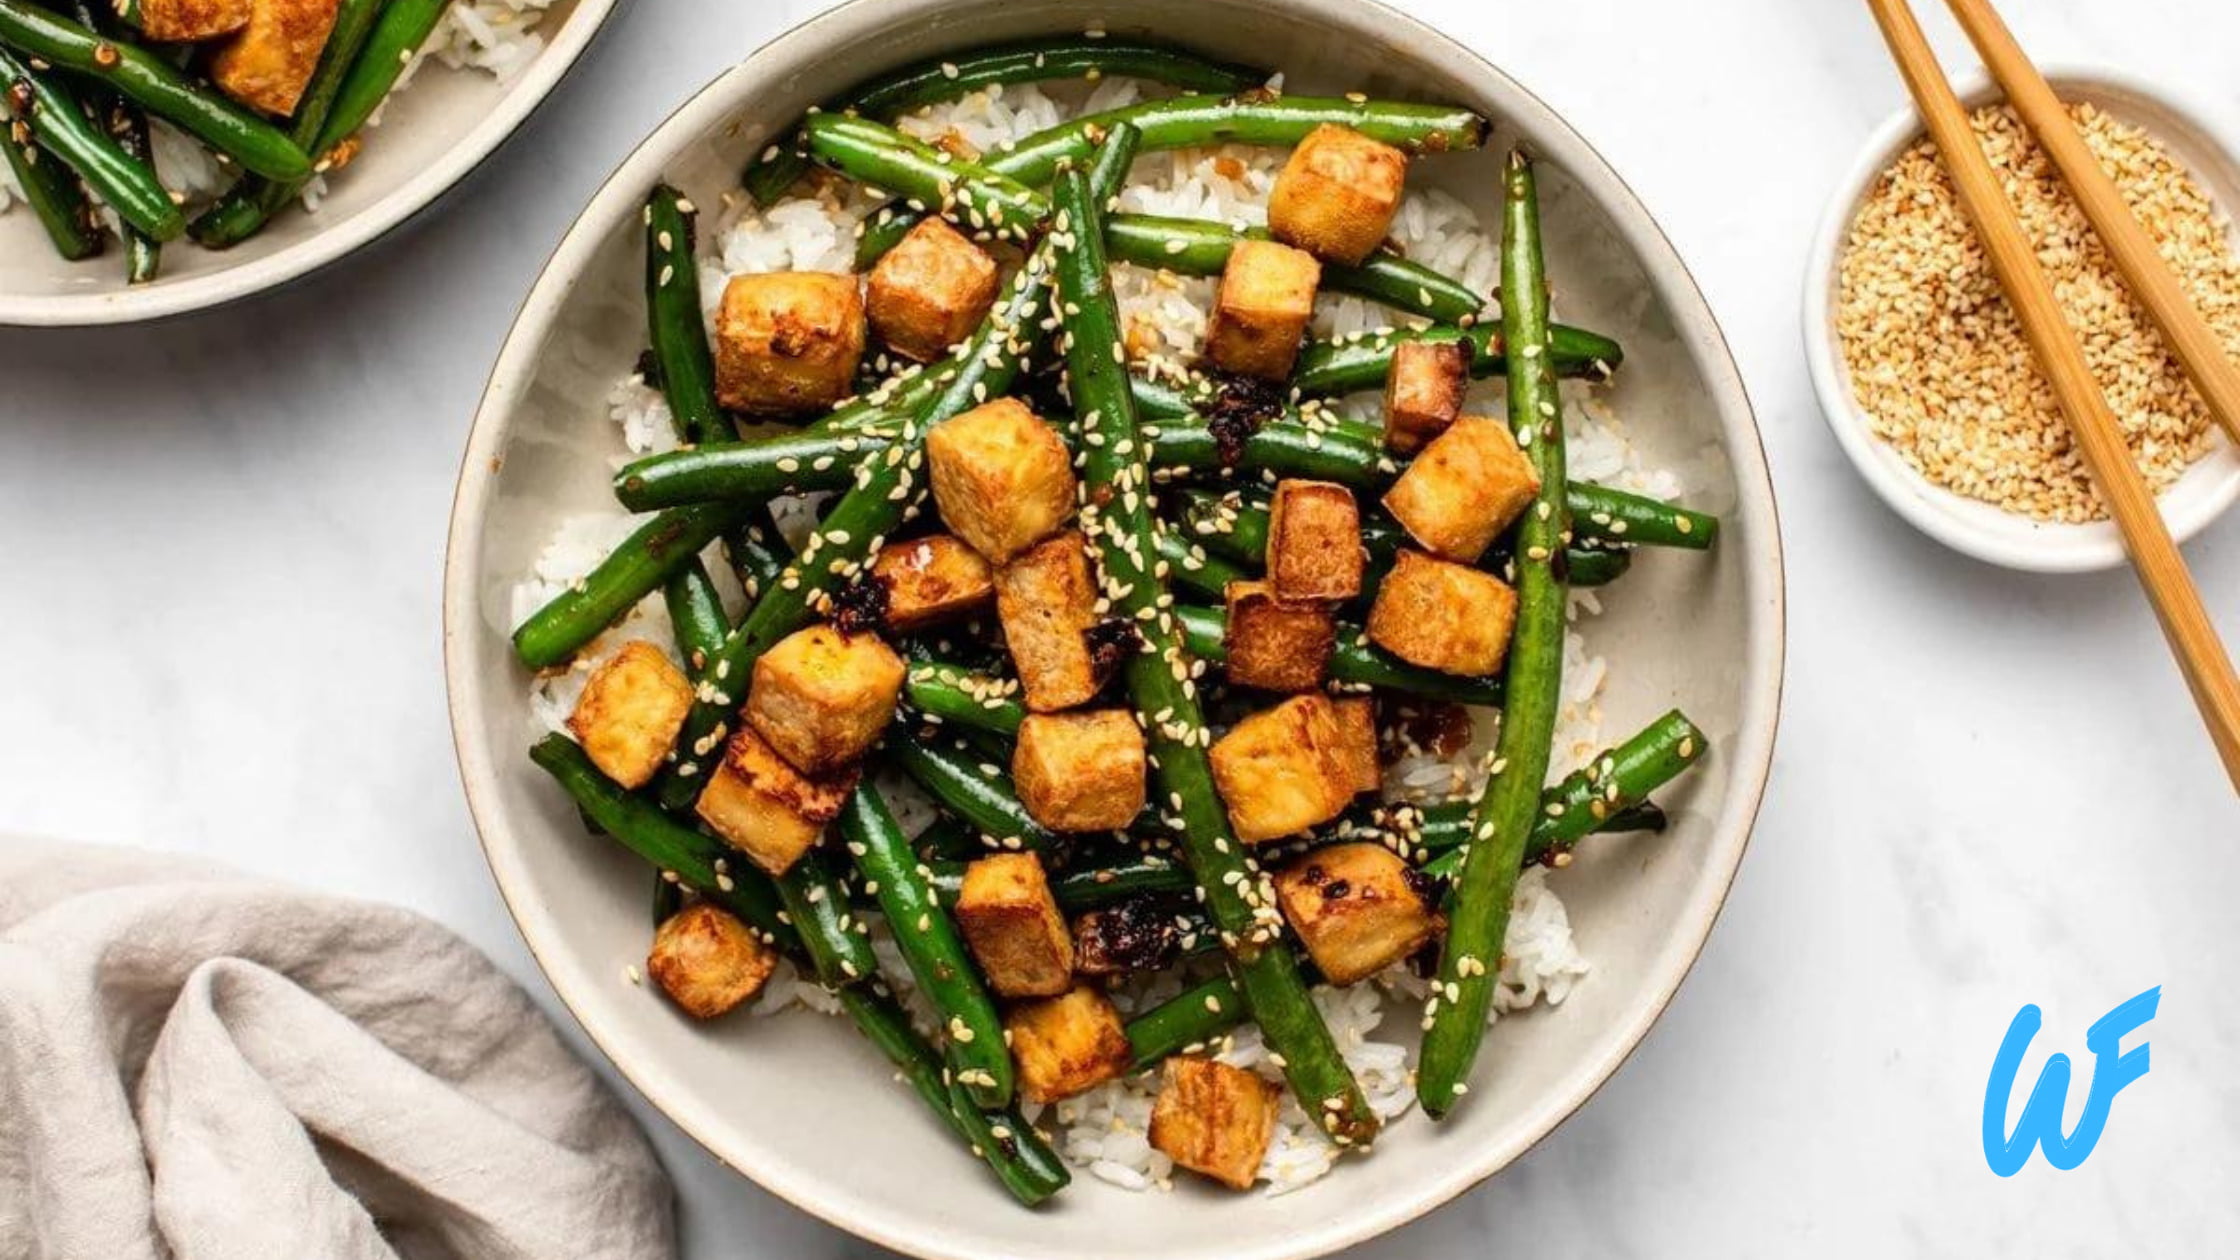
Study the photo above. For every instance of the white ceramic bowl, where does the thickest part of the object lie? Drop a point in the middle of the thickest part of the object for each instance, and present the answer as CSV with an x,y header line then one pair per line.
x,y
431,135
2200,136
801,1104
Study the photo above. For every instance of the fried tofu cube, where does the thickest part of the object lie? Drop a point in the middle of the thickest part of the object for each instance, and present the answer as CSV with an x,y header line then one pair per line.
x,y
1067,1045
1314,541
1047,603
1080,771
822,697
1423,392
1261,309
932,580
188,21
629,714
1356,908
269,61
1001,477
1443,616
1357,727
1012,924
707,961
930,291
1273,644
1214,1119
1336,195
1283,770
765,808
788,341
1464,489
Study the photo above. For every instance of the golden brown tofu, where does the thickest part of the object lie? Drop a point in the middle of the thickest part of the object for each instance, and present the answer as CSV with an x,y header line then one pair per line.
x,y
1012,924
822,698
1261,310
930,291
187,21
1336,196
1273,644
1423,392
932,580
1080,771
267,64
1066,1045
765,808
629,714
1283,770
1047,603
1356,908
1214,1119
788,341
1464,489
1357,725
1314,541
1001,477
707,961
1443,616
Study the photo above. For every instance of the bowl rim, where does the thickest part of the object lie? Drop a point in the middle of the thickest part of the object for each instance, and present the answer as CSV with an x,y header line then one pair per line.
x,y
1764,595
518,99
1940,513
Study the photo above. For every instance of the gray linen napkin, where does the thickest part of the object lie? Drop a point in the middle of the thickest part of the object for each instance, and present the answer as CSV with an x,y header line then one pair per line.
x,y
200,1065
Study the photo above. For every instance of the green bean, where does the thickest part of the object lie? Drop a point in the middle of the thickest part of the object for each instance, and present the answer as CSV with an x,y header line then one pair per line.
x,y
1353,660
952,693
1194,1018
1364,360
930,946
51,188
837,942
696,610
642,563
1188,121
1018,1155
643,828
1618,517
252,202
984,800
1201,247
763,468
156,84
926,177
682,364
1470,957
884,494
397,35
953,77
56,120
1235,525
1191,567
1118,522
1615,781
1085,884
129,124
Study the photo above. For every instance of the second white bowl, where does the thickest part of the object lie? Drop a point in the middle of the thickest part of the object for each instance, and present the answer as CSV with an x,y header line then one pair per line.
x,y
2203,140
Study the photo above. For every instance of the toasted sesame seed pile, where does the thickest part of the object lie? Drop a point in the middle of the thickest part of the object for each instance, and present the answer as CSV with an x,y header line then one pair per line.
x,y
1939,362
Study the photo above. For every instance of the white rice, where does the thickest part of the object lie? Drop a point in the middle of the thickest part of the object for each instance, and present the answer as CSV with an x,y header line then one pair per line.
x,y
1105,1132
495,37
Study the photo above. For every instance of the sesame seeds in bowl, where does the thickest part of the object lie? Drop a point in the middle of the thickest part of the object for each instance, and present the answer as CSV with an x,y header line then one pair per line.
x,y
1923,371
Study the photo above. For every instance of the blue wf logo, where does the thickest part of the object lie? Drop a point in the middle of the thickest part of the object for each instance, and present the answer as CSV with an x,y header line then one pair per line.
x,y
2040,1126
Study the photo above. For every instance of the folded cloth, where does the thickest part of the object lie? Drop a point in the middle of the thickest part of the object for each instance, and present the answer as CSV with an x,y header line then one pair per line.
x,y
199,1065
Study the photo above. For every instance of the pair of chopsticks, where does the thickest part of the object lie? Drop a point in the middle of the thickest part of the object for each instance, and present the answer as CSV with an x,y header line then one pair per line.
x,y
2170,589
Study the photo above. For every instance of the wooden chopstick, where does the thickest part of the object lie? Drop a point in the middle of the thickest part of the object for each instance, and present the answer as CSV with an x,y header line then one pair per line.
x,y
2177,605
2197,348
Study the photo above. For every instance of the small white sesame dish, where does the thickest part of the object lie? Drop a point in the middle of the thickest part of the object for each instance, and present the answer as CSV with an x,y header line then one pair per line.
x,y
467,75
1983,464
1148,641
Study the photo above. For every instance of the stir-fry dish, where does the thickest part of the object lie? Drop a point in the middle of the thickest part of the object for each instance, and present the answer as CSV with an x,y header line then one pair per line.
x,y
1082,615
157,119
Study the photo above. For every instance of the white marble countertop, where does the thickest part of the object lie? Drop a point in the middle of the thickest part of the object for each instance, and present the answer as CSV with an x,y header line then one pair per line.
x,y
220,541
